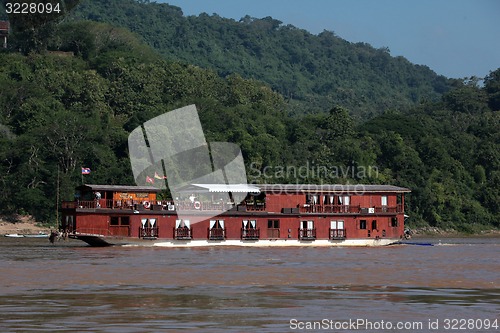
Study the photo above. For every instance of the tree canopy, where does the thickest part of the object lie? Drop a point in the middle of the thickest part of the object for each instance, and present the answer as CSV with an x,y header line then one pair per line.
x,y
312,72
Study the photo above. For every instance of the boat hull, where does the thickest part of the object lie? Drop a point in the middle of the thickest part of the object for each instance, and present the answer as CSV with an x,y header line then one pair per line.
x,y
101,241
37,236
13,236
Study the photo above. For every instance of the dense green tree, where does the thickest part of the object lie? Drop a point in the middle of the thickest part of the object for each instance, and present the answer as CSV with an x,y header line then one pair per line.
x,y
312,72
492,85
31,25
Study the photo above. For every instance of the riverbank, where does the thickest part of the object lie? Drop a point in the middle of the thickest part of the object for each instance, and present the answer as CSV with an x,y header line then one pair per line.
x,y
437,232
23,225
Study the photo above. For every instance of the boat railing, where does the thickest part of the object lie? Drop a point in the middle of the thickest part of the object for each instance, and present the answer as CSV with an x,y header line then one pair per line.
x,y
182,233
92,231
311,208
90,204
400,208
204,206
337,233
216,233
146,232
250,233
220,206
254,206
68,204
307,234
118,204
387,209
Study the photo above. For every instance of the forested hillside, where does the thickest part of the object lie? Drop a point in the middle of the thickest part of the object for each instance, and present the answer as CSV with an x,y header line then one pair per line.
x,y
311,71
72,96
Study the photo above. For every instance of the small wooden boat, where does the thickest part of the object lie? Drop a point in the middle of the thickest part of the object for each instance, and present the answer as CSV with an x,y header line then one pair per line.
x,y
13,235
39,235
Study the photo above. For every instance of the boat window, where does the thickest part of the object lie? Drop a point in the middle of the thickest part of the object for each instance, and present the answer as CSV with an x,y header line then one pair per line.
x,y
273,224
333,225
306,224
362,224
114,220
246,224
182,224
216,224
125,220
394,222
340,225
344,200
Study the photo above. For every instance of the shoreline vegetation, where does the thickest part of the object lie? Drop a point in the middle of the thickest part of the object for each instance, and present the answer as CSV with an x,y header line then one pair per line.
x,y
23,225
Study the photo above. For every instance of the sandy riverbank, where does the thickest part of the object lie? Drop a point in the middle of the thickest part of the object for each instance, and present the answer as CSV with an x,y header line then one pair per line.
x,y
23,226
426,232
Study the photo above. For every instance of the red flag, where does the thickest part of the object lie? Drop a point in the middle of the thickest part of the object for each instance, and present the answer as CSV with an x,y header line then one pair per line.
x,y
150,180
157,176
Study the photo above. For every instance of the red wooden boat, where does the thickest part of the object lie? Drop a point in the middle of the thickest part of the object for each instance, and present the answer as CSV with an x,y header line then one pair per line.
x,y
270,215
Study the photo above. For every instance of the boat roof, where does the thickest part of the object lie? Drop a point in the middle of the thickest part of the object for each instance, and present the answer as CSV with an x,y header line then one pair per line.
x,y
117,188
257,188
235,188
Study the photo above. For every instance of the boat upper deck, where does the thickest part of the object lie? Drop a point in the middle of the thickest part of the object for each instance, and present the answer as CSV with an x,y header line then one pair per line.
x,y
284,198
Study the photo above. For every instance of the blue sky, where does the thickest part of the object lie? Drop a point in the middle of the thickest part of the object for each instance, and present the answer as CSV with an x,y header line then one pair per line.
x,y
455,38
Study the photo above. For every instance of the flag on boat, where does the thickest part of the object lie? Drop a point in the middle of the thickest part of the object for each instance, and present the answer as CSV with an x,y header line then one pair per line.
x,y
150,180
85,171
157,176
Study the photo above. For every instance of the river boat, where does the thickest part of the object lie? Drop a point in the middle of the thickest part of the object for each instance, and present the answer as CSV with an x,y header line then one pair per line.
x,y
38,235
268,215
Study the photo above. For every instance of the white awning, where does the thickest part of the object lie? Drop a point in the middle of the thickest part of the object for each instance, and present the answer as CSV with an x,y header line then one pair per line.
x,y
224,188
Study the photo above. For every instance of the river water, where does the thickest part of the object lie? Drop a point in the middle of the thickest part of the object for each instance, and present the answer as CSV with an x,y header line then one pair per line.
x,y
70,287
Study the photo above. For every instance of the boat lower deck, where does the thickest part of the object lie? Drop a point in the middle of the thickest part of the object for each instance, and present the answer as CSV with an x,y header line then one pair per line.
x,y
100,241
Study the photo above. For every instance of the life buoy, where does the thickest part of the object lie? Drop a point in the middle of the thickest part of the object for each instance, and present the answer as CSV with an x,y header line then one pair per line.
x,y
197,205
146,204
